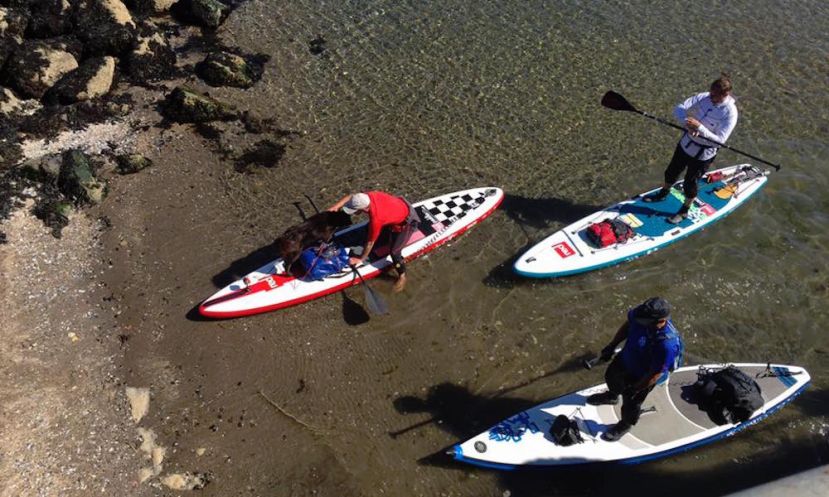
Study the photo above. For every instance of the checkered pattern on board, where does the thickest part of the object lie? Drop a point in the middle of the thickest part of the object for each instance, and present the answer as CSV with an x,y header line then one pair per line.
x,y
456,207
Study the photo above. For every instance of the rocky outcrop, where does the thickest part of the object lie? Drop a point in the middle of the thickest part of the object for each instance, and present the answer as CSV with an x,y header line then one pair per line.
x,y
91,80
132,163
77,179
37,66
149,6
105,26
152,59
227,69
187,106
12,25
207,13
49,18
11,105
45,169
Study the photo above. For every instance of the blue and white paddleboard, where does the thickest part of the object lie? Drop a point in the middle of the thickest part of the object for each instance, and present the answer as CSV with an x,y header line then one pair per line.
x,y
569,251
670,423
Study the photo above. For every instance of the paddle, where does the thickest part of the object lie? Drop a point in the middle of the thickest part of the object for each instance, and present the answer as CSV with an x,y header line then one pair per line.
x,y
374,302
614,101
588,364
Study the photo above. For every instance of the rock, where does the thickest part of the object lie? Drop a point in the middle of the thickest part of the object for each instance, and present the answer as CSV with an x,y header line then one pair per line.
x,y
152,58
139,399
53,212
77,179
45,169
13,23
38,65
185,481
91,80
149,6
187,106
105,26
49,18
207,13
132,163
227,69
10,104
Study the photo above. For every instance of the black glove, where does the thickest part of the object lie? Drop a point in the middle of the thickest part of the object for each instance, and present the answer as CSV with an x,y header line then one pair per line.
x,y
607,353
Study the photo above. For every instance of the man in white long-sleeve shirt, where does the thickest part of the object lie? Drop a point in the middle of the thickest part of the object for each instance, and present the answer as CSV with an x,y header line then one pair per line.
x,y
708,115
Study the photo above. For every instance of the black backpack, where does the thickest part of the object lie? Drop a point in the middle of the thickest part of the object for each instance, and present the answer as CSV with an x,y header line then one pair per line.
x,y
622,230
729,395
565,431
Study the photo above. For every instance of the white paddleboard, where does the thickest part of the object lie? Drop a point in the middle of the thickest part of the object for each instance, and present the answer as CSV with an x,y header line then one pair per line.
x,y
569,251
442,219
670,423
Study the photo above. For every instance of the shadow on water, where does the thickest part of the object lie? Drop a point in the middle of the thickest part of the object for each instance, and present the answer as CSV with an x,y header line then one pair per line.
x,y
814,402
449,404
353,313
245,265
536,213
194,315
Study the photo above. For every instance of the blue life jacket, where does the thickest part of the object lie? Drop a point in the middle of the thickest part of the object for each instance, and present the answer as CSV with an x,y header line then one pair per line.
x,y
323,260
647,352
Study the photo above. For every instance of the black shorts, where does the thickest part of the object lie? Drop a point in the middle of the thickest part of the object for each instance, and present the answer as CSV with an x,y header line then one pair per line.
x,y
695,170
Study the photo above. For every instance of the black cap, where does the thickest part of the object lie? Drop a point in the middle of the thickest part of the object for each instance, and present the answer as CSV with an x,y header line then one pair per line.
x,y
653,309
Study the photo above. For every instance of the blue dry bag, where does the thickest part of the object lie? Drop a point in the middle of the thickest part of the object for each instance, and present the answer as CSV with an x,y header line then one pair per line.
x,y
323,260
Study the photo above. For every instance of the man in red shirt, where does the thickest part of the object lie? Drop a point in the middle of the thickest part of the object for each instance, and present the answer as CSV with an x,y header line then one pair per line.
x,y
383,210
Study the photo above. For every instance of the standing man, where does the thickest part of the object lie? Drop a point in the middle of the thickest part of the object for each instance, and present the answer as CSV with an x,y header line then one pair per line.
x,y
383,210
652,349
708,115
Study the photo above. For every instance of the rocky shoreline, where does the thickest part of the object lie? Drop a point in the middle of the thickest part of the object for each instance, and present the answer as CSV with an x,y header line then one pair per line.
x,y
87,89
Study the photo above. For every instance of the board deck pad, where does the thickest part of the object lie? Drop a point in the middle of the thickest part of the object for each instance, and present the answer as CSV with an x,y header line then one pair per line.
x,y
270,287
569,251
671,422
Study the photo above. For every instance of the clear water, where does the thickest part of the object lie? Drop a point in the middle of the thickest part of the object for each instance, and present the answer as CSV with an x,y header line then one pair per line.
x,y
421,98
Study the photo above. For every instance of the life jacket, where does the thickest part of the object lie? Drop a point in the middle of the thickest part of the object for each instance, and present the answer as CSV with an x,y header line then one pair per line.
x,y
608,232
728,395
323,260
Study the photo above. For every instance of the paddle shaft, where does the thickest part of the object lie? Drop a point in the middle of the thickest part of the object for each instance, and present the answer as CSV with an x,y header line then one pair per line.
x,y
723,145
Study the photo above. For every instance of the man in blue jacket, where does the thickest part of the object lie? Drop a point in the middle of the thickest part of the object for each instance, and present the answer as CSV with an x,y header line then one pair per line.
x,y
653,348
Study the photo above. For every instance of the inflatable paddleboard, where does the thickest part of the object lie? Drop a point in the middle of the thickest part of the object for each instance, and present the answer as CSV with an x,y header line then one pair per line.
x,y
570,251
271,287
670,423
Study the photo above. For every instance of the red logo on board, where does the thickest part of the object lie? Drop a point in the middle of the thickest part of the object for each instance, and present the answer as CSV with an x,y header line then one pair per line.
x,y
563,249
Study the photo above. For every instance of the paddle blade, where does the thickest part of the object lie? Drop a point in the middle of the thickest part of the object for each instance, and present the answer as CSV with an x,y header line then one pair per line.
x,y
613,100
374,302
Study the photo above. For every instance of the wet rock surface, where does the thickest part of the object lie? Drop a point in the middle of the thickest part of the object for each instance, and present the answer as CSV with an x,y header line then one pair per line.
x,y
230,69
77,178
185,105
206,13
132,163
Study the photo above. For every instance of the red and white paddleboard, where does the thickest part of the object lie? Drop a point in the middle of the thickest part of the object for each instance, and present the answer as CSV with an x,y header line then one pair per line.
x,y
270,287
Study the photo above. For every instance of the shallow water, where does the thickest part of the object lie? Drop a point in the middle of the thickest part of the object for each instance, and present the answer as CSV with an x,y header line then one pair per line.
x,y
421,98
